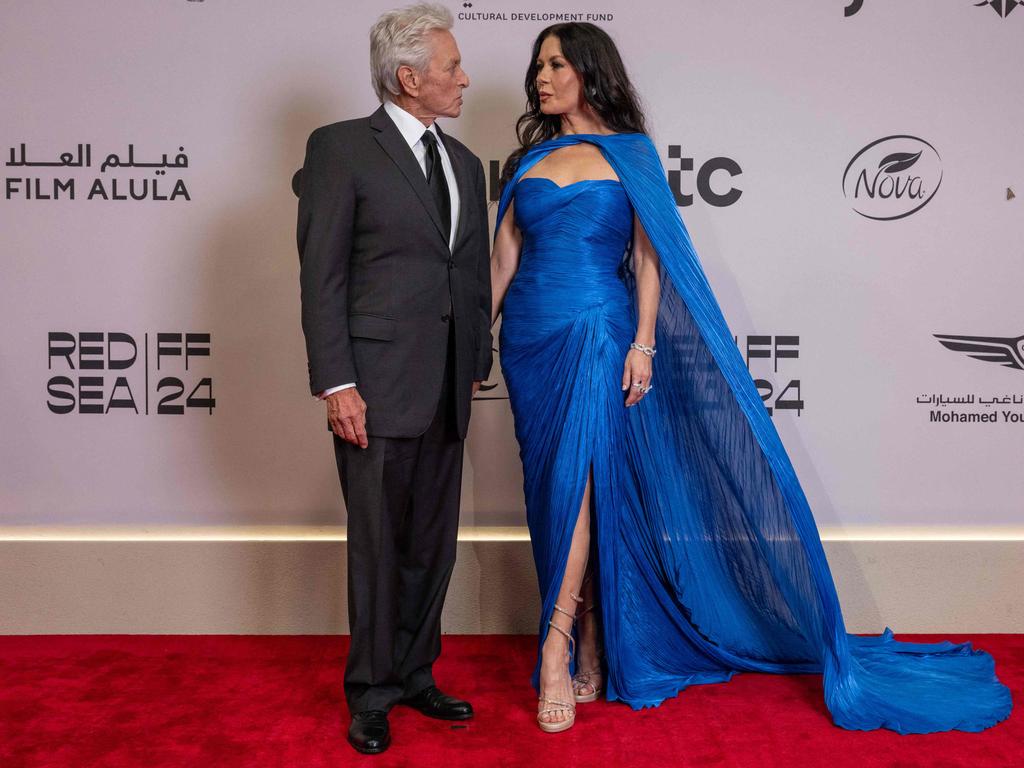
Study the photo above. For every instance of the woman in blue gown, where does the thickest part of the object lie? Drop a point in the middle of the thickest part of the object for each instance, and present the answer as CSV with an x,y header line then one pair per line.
x,y
667,519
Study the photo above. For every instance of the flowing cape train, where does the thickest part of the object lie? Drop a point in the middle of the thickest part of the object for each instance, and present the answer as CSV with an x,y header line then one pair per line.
x,y
727,571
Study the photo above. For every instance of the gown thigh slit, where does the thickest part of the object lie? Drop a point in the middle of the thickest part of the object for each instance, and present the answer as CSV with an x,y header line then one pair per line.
x,y
708,559
557,586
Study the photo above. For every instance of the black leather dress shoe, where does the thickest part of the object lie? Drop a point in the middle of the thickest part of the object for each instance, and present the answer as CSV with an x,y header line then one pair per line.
x,y
432,703
369,732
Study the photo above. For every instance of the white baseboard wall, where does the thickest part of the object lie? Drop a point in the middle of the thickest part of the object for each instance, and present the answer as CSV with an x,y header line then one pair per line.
x,y
291,580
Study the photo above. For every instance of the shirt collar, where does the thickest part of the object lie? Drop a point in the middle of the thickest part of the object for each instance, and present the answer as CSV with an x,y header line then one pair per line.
x,y
409,126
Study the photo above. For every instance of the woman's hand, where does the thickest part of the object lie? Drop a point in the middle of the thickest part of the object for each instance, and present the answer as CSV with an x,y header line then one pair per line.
x,y
636,376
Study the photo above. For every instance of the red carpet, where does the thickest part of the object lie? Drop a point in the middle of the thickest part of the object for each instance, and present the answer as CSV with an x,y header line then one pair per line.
x,y
221,701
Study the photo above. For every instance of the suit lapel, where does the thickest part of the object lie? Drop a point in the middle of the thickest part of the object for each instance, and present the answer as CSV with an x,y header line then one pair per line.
x,y
391,141
463,181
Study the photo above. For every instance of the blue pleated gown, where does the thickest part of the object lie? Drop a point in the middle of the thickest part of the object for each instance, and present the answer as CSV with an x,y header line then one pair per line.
x,y
709,560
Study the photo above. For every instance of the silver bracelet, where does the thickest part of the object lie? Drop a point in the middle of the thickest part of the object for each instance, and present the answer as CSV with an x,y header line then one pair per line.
x,y
649,351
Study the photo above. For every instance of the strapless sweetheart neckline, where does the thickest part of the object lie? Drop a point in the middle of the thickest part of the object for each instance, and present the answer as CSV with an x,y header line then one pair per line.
x,y
555,184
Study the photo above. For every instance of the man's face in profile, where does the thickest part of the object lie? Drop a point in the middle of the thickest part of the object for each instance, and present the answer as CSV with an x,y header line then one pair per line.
x,y
443,80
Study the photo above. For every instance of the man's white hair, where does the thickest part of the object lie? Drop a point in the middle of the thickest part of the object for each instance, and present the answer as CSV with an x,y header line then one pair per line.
x,y
402,37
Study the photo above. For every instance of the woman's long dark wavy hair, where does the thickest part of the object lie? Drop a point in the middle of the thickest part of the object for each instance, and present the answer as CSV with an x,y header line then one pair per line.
x,y
606,87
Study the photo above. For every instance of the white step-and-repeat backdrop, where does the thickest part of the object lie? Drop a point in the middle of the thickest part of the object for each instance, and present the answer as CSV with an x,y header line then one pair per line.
x,y
848,175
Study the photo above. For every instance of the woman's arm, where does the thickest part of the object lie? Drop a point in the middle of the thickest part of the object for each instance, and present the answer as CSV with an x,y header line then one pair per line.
x,y
646,266
504,260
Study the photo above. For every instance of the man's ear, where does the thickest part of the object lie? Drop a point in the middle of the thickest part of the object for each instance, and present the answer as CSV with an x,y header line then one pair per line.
x,y
409,80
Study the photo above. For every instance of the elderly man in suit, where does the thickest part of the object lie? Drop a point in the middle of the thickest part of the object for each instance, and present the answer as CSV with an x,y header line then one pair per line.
x,y
393,246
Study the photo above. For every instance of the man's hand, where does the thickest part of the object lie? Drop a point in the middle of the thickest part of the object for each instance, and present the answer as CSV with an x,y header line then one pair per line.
x,y
346,411
476,387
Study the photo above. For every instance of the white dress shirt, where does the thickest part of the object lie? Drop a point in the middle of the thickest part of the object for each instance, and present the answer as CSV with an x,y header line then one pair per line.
x,y
412,131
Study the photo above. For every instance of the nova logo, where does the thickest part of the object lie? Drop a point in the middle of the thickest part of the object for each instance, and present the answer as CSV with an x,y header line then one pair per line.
x,y
892,177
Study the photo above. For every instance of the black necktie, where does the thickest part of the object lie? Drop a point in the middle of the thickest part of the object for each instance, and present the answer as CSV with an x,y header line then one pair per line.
x,y
437,182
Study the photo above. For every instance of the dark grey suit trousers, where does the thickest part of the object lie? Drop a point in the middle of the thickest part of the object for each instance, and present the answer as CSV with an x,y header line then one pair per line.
x,y
402,496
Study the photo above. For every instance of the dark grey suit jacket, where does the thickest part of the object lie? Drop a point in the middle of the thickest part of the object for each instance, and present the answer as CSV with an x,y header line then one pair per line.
x,y
380,285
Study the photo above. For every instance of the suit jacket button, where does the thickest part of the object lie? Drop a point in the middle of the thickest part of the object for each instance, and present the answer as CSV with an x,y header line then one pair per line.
x,y
444,318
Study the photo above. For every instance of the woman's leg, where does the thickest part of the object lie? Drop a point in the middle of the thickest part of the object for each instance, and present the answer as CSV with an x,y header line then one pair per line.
x,y
555,682
588,678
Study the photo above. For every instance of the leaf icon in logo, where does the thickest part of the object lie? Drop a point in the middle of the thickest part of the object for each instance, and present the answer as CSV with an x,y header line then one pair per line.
x,y
898,161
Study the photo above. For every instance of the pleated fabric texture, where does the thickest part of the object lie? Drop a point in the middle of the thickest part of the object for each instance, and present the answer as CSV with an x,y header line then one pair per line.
x,y
709,560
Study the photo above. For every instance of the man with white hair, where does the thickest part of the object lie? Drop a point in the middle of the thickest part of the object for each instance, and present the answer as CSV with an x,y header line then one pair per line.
x,y
395,277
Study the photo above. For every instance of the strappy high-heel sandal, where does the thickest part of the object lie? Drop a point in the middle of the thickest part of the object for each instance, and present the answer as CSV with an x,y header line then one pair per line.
x,y
555,705
584,679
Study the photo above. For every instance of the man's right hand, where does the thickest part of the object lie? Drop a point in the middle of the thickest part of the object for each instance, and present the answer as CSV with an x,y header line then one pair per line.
x,y
346,411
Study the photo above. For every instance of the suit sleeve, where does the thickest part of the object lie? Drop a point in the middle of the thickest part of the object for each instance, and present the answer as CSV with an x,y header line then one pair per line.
x,y
324,233
483,360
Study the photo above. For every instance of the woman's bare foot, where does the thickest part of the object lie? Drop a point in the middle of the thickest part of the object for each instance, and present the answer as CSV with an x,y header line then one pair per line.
x,y
586,683
555,682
